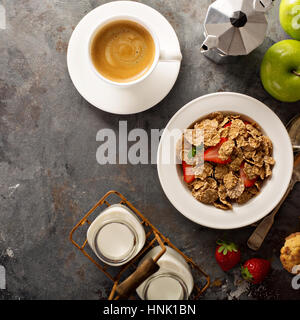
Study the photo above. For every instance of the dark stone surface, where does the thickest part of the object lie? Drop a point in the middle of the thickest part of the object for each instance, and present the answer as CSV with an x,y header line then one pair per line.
x,y
48,169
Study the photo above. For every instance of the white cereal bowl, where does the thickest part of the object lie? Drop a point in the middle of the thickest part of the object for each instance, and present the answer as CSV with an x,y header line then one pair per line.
x,y
273,189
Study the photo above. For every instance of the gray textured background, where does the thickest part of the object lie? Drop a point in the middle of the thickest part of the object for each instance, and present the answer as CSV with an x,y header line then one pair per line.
x,y
49,176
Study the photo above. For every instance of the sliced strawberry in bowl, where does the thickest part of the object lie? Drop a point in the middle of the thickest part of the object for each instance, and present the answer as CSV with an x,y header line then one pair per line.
x,y
188,174
212,153
247,182
228,124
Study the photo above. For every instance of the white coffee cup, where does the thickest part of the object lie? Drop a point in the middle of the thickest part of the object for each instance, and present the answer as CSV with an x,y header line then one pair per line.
x,y
160,55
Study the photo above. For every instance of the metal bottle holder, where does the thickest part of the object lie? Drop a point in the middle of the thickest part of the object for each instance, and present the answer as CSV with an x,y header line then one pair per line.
x,y
124,289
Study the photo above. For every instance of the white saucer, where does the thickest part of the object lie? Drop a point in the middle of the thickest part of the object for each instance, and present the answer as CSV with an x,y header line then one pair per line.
x,y
136,98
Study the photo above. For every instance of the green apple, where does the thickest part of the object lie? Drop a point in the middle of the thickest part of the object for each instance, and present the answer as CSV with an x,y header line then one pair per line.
x,y
289,15
280,70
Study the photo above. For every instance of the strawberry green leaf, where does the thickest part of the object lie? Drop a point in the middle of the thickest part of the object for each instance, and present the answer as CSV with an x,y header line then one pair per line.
x,y
195,150
246,274
192,152
227,246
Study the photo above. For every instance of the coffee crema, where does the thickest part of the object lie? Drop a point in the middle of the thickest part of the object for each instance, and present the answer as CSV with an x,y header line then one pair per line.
x,y
122,51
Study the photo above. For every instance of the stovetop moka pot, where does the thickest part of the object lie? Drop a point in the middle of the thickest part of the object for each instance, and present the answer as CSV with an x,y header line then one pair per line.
x,y
234,27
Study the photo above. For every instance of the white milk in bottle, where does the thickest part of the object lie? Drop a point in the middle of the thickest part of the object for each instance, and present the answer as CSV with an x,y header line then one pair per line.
x,y
173,280
116,235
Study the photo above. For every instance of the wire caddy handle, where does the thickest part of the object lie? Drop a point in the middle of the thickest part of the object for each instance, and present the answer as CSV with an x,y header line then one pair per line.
x,y
123,290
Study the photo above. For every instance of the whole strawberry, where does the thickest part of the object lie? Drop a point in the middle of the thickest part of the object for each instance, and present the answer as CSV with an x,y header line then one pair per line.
x,y
255,270
227,255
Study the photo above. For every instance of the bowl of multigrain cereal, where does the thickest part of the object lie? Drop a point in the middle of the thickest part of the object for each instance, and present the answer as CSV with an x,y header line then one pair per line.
x,y
225,160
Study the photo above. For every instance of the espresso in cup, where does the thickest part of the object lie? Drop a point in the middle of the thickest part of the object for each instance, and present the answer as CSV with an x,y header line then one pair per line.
x,y
122,51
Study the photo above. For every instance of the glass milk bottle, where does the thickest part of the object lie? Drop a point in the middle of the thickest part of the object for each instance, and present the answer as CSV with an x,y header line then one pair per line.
x,y
116,235
173,280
